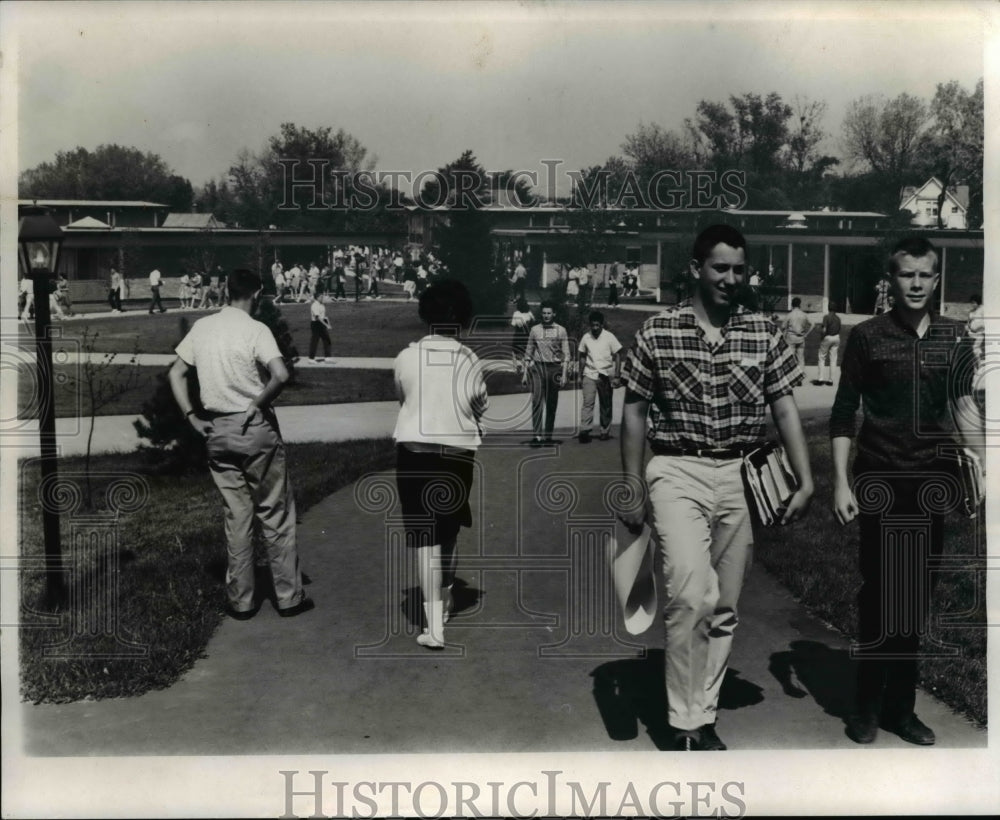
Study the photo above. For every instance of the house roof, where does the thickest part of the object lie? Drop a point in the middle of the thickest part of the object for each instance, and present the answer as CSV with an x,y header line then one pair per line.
x,y
192,221
959,194
88,222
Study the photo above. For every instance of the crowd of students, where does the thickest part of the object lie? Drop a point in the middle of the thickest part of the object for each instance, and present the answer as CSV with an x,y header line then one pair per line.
x,y
699,379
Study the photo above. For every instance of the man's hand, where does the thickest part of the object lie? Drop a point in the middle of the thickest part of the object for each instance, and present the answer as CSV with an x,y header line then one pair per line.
x,y
633,519
797,506
201,426
251,413
616,382
845,505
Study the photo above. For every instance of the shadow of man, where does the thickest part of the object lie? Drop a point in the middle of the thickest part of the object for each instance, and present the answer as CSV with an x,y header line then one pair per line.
x,y
633,691
811,668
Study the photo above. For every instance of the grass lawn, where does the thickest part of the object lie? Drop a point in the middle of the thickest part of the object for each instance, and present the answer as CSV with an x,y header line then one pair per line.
x,y
172,566
370,329
311,387
816,560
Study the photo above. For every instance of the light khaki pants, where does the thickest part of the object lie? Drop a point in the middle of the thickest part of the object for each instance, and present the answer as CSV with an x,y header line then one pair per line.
x,y
699,513
249,470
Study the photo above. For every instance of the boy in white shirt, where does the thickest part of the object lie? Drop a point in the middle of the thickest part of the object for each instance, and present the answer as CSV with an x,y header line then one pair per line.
x,y
600,365
246,455
319,324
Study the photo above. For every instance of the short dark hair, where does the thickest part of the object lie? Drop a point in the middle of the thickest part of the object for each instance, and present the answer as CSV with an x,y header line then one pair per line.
x,y
596,316
714,235
243,284
547,303
832,306
522,305
796,302
446,306
915,246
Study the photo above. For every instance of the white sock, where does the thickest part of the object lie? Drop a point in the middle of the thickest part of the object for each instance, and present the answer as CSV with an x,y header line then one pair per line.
x,y
433,636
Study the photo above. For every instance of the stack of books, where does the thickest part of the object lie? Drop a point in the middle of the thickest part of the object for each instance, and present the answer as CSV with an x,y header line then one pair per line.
x,y
970,475
770,482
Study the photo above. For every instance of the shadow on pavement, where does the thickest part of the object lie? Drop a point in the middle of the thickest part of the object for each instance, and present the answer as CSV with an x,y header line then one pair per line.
x,y
465,598
812,669
632,691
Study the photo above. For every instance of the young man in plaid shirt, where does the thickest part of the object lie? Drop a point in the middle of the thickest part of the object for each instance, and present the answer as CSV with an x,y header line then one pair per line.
x,y
698,378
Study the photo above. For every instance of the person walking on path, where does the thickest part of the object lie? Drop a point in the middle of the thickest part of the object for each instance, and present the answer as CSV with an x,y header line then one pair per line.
x,y
246,454
319,324
115,291
883,298
699,377
905,368
546,359
797,327
600,365
442,396
521,320
829,346
518,281
613,274
155,281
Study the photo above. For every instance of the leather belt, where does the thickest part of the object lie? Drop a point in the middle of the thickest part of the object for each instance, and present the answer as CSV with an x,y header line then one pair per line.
x,y
703,452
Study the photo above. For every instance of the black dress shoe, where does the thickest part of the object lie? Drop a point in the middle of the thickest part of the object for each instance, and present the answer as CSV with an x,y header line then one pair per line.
x,y
241,614
911,729
302,606
710,741
688,740
862,727
584,437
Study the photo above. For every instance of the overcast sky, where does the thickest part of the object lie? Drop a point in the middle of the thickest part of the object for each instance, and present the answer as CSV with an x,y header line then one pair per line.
x,y
419,83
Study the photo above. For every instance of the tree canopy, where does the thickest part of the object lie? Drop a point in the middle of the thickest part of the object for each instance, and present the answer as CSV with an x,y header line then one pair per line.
x,y
108,172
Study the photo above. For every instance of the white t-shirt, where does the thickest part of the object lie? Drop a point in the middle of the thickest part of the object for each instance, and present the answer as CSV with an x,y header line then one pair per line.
x,y
442,388
154,279
317,312
228,348
600,353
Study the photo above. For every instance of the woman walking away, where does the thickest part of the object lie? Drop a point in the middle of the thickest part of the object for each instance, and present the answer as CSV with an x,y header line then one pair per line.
x,y
442,396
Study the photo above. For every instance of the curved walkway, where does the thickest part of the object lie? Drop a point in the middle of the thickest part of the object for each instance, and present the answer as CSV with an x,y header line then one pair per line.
x,y
348,677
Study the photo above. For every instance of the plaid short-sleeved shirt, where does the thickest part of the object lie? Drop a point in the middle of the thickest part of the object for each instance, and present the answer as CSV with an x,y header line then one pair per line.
x,y
704,395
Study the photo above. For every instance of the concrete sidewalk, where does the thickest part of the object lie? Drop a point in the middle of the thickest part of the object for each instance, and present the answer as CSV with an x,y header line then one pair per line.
x,y
509,415
538,660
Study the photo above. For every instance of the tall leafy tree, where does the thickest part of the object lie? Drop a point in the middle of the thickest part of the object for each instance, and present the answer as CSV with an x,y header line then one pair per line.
x,y
326,161
952,149
884,134
107,172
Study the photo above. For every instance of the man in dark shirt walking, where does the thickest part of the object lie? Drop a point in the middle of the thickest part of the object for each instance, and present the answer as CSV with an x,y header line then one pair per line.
x,y
904,367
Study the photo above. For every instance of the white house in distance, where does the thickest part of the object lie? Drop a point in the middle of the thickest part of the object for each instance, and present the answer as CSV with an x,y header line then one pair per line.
x,y
922,202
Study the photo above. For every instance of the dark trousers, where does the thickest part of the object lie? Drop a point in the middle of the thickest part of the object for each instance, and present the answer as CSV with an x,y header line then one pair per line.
x,y
156,303
115,299
339,292
901,529
613,294
518,289
319,332
544,397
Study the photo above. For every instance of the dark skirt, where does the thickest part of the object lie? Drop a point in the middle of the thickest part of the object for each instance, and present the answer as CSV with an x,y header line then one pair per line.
x,y
434,489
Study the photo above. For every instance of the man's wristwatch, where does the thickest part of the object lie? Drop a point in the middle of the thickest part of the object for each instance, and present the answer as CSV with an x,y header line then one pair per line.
x,y
189,413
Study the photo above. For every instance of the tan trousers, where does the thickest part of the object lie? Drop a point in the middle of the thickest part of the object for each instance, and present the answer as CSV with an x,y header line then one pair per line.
x,y
699,513
249,470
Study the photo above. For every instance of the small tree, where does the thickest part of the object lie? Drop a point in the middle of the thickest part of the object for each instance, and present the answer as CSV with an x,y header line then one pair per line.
x,y
99,385
467,252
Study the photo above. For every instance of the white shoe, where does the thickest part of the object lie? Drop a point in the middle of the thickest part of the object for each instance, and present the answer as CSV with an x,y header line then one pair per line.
x,y
433,636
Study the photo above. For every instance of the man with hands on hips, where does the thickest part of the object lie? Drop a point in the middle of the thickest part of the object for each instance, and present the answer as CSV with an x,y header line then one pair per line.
x,y
698,379
246,454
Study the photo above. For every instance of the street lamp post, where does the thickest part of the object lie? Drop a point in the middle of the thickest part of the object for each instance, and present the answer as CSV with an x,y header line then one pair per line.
x,y
39,239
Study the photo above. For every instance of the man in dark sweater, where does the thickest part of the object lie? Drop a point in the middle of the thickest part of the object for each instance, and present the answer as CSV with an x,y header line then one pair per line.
x,y
907,368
